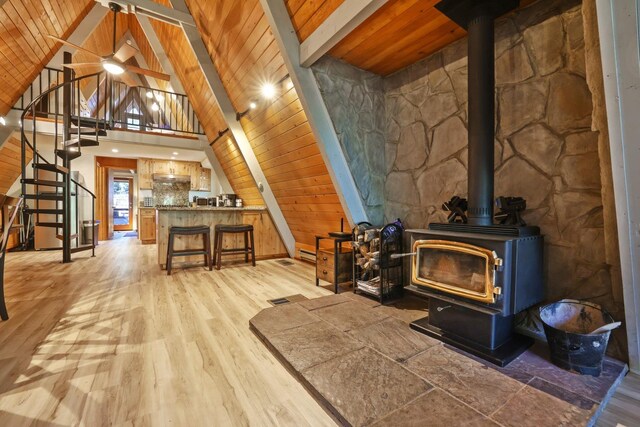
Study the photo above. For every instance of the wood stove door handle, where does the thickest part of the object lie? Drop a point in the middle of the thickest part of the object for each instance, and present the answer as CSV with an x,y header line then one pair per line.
x,y
394,256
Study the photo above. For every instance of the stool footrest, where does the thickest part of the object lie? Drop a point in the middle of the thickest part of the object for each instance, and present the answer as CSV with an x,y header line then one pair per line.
x,y
236,251
189,252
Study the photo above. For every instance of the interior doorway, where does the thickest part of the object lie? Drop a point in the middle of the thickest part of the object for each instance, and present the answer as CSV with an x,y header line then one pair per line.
x,y
116,203
122,204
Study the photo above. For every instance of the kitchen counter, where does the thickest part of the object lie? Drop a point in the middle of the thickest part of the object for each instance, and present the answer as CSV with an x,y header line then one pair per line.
x,y
211,208
267,240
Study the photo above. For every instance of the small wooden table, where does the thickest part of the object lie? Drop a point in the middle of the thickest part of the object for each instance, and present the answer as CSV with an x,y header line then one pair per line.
x,y
333,265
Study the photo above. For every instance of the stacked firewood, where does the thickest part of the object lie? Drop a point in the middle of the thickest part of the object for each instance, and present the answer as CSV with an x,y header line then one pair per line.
x,y
367,245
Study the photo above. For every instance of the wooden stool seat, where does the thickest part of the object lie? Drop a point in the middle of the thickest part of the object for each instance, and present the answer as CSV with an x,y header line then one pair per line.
x,y
218,251
232,228
196,229
204,230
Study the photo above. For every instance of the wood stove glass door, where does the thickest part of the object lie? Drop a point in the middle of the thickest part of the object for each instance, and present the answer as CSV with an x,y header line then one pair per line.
x,y
455,268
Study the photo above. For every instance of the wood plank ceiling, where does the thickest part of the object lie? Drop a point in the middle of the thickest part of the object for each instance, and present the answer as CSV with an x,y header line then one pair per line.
x,y
400,33
25,48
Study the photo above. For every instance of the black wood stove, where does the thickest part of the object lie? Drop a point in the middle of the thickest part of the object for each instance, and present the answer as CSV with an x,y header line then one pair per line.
x,y
477,275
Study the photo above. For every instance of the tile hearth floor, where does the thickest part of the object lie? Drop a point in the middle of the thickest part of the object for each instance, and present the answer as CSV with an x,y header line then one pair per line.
x,y
364,364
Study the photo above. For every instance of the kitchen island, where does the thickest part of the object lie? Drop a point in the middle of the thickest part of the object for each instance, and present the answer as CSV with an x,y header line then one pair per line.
x,y
267,240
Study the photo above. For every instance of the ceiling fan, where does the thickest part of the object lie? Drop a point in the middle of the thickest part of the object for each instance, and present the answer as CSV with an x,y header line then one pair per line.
x,y
114,63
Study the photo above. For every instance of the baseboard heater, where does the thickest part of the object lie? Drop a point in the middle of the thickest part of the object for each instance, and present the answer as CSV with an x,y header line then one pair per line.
x,y
307,255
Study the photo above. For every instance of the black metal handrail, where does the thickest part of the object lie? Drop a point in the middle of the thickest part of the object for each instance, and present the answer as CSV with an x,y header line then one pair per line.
x,y
158,110
44,79
71,90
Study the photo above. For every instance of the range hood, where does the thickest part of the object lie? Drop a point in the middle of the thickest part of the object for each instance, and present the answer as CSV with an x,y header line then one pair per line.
x,y
167,177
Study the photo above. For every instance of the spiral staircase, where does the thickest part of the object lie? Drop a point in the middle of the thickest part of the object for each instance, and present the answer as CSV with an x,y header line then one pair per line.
x,y
53,198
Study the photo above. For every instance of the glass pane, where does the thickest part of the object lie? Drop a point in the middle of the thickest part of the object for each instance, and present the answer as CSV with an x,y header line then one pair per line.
x,y
121,202
453,268
120,217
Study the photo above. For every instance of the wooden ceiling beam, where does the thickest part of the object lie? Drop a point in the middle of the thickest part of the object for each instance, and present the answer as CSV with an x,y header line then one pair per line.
x,y
229,113
162,13
316,111
176,85
336,27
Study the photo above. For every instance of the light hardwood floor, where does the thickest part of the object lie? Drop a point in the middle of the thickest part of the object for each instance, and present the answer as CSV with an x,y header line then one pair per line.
x,y
112,340
624,407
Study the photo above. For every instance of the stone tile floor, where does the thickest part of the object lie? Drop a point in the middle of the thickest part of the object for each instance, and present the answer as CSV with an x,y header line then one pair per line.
x,y
364,364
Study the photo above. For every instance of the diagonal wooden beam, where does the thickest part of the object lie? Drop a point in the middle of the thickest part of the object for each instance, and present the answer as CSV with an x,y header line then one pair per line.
x,y
315,109
157,11
336,27
176,85
229,113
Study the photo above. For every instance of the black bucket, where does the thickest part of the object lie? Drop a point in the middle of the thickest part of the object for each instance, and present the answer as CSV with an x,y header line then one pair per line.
x,y
567,324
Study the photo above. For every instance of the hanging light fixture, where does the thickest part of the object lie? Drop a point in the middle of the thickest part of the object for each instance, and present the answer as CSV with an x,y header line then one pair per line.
x,y
155,107
149,94
112,67
253,105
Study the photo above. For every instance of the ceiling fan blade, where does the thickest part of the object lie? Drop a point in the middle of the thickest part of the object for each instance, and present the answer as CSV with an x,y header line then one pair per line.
x,y
82,64
150,73
85,68
128,79
75,46
125,52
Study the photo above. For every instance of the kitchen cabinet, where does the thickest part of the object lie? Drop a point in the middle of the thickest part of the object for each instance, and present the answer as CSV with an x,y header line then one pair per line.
x,y
145,174
162,166
200,177
147,225
205,179
182,168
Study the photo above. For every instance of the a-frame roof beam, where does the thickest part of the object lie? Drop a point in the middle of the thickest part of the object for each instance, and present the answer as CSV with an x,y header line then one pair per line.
x,y
229,113
176,85
162,13
336,27
315,110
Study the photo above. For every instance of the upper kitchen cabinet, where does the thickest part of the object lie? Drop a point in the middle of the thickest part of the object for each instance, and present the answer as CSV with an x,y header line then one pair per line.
x,y
194,172
162,166
145,174
205,179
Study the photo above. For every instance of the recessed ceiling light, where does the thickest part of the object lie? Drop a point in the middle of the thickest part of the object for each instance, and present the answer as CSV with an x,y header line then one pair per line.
x,y
155,107
173,158
149,94
289,84
253,105
113,67
114,150
268,90
175,153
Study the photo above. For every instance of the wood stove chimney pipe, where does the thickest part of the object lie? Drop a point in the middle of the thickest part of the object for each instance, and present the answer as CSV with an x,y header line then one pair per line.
x,y
477,17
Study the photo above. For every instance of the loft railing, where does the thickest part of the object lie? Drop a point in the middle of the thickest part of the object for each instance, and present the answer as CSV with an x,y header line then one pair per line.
x,y
47,79
153,110
117,105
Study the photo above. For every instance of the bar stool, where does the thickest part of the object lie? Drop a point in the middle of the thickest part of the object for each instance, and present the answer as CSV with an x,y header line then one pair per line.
x,y
190,231
218,251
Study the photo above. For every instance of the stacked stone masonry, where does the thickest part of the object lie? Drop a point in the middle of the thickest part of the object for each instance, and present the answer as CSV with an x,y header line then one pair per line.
x,y
405,139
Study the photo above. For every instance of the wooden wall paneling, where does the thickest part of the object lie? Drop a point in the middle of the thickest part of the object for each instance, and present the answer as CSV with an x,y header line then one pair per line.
x,y
397,35
10,167
237,171
25,47
290,158
190,75
308,15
